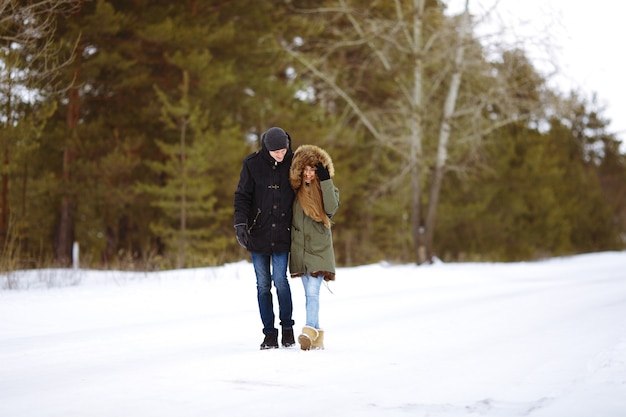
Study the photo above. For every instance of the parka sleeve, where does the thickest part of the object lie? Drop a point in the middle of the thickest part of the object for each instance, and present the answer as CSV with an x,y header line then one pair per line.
x,y
330,194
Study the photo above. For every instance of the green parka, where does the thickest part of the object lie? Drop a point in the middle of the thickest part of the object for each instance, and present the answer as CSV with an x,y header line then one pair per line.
x,y
312,249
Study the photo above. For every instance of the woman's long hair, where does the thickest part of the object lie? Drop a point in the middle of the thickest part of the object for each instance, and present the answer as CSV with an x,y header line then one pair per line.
x,y
312,202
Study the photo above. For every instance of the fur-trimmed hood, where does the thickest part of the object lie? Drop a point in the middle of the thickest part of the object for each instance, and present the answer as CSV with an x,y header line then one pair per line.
x,y
308,155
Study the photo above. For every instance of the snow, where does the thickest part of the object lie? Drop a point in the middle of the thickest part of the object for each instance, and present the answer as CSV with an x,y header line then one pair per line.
x,y
538,339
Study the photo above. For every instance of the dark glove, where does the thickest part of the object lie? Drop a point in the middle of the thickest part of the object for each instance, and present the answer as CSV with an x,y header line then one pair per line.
x,y
322,172
242,235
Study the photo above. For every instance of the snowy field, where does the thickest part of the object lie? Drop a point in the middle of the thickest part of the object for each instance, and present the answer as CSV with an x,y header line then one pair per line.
x,y
521,339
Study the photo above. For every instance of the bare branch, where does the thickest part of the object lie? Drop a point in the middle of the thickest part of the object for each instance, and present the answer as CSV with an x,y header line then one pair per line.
x,y
29,28
359,30
369,125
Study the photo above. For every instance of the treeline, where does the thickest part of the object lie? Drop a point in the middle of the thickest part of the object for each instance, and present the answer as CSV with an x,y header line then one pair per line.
x,y
133,147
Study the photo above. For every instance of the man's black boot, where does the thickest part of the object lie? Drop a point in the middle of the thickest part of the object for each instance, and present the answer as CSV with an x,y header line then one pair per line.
x,y
288,339
270,341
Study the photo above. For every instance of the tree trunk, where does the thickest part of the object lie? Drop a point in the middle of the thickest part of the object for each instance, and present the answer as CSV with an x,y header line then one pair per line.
x,y
416,157
4,192
4,198
444,135
182,250
65,237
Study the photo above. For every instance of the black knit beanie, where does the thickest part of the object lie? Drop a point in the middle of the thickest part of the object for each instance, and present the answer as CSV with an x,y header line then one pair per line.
x,y
275,138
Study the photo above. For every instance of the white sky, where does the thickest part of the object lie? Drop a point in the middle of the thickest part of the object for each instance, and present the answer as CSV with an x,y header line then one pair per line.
x,y
539,339
587,37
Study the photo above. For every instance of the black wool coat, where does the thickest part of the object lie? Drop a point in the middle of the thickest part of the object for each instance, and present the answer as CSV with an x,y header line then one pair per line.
x,y
264,200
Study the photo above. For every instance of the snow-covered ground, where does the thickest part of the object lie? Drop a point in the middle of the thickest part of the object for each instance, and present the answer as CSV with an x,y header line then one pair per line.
x,y
521,339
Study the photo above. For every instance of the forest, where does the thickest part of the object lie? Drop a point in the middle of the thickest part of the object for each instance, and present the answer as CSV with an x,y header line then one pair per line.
x,y
124,124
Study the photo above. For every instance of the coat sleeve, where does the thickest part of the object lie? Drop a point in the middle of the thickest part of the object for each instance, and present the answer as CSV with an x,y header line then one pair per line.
x,y
330,194
243,195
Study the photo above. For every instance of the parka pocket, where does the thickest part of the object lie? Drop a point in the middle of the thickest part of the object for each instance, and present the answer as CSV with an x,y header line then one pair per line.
x,y
296,234
320,239
321,228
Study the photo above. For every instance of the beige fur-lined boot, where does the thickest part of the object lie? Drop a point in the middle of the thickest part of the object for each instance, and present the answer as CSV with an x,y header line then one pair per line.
x,y
319,342
307,338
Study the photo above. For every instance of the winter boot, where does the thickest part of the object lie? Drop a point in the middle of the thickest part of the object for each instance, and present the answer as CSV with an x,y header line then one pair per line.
x,y
308,336
319,342
287,339
270,341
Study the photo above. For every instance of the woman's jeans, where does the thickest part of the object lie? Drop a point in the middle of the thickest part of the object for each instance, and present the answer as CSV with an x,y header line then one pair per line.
x,y
264,280
312,293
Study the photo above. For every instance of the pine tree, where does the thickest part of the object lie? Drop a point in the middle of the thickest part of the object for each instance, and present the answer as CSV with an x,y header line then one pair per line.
x,y
187,196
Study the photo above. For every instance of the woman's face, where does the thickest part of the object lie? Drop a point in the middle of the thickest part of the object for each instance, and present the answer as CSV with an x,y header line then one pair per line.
x,y
308,174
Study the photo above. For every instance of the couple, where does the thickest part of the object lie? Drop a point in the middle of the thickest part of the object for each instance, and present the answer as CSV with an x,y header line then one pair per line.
x,y
284,202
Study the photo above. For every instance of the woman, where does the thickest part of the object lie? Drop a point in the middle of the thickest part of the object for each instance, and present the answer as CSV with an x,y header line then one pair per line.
x,y
312,253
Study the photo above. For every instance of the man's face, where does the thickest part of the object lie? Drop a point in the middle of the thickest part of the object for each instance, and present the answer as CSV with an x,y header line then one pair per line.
x,y
279,154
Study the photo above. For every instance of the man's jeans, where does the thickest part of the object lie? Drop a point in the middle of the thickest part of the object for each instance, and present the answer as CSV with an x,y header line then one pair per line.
x,y
264,279
312,293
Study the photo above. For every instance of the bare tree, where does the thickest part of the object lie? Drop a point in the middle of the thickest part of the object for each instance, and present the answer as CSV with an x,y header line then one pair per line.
x,y
29,61
29,27
403,42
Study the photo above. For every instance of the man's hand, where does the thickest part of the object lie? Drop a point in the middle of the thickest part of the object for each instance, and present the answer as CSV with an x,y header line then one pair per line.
x,y
242,235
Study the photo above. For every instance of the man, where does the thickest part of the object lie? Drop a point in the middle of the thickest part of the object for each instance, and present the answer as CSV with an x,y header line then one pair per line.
x,y
263,211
